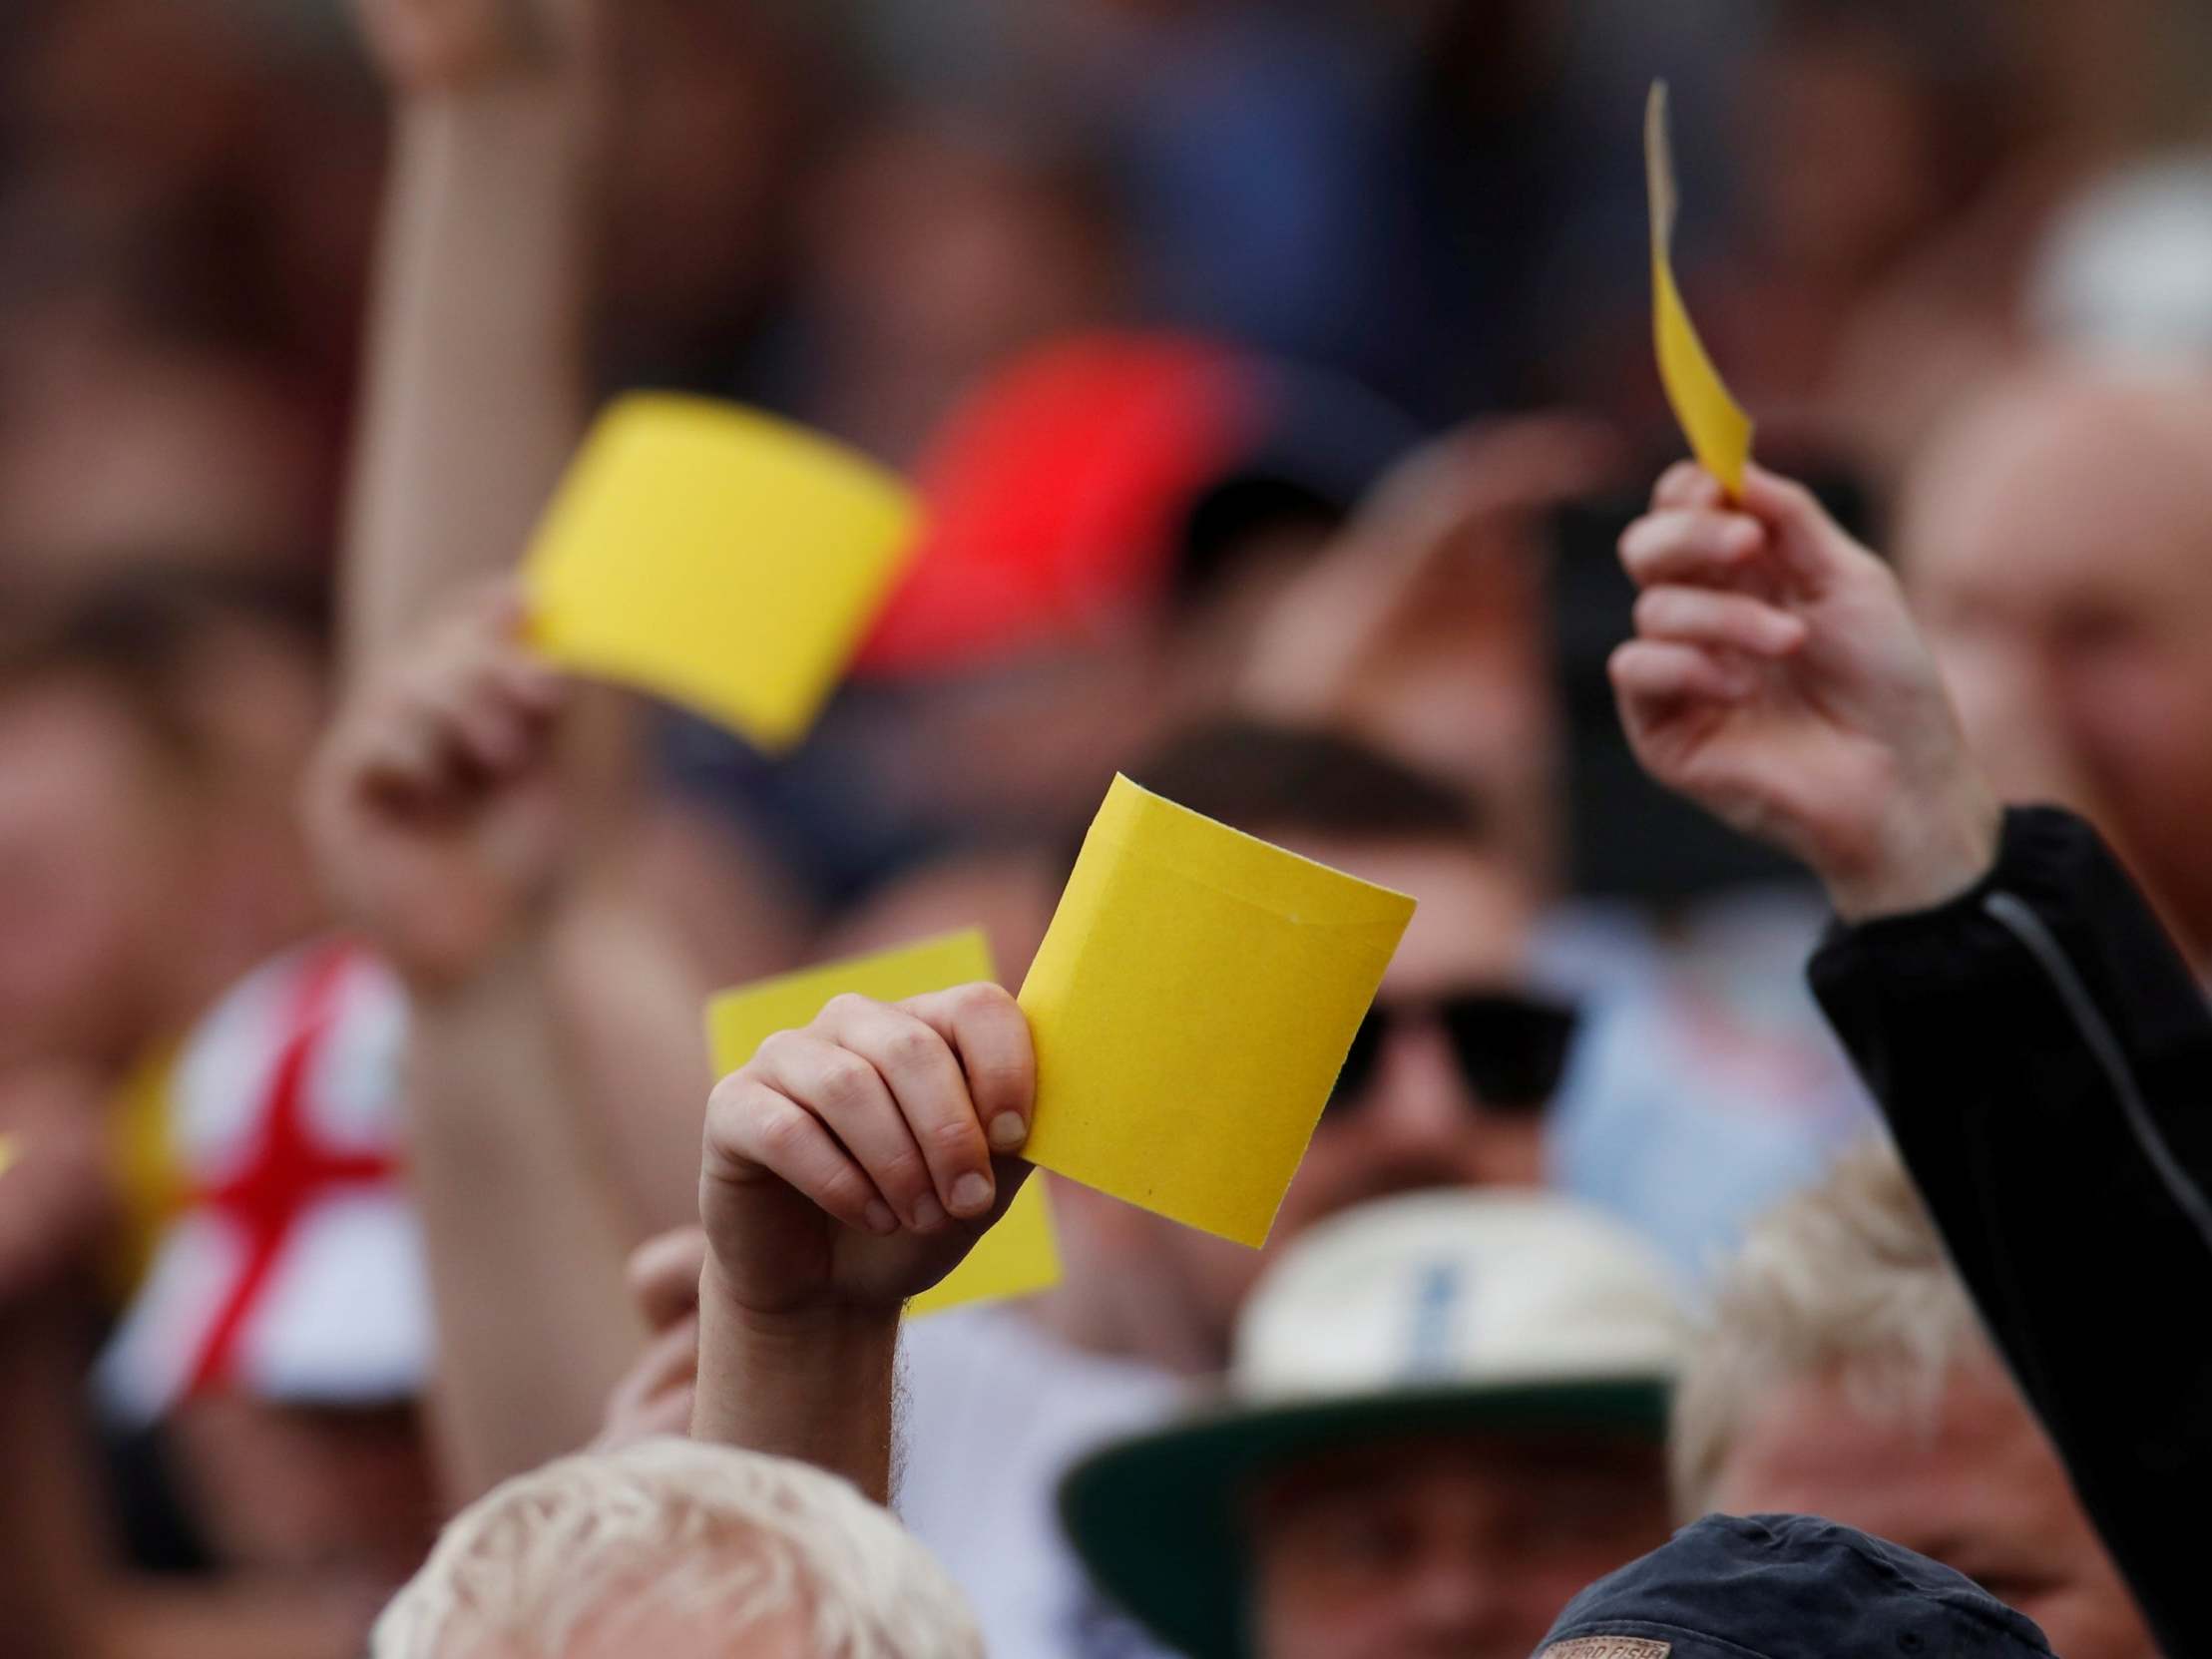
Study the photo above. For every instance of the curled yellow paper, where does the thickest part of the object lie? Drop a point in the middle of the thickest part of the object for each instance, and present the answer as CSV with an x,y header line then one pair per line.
x,y
718,557
1020,1255
1191,1006
1718,430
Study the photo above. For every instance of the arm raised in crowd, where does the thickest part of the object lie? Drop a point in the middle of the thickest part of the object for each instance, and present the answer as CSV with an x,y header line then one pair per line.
x,y
849,1166
440,824
477,336
2041,1050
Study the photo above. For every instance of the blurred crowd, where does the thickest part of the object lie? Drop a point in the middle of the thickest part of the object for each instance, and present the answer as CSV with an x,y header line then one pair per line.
x,y
1276,375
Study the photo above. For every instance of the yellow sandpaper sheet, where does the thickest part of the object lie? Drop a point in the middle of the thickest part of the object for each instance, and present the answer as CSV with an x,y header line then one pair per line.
x,y
1191,1006
1718,430
718,557
1018,1256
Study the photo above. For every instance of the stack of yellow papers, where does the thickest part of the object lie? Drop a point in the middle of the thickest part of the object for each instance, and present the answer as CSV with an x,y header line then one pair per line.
x,y
716,556
1191,1006
1715,424
1018,1256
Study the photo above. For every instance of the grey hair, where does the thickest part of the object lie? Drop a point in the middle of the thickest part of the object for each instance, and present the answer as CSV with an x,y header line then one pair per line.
x,y
1846,1280
678,1529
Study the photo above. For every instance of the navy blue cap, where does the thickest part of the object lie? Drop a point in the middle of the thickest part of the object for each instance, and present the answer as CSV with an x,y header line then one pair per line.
x,y
1787,1587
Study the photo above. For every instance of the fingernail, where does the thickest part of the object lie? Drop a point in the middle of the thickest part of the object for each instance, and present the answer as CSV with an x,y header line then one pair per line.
x,y
1008,1131
971,1194
879,1218
926,1213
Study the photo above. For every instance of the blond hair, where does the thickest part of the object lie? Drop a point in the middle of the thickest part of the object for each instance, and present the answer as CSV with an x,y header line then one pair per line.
x,y
705,1534
1846,1280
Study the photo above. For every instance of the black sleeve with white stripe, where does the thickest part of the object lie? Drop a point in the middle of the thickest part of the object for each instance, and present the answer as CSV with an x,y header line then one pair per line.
x,y
2045,1058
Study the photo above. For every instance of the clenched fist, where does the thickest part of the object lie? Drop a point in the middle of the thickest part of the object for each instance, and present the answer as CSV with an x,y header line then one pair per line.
x,y
854,1164
433,808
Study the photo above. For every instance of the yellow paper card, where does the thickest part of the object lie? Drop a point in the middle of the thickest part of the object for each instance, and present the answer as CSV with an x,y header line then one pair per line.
x,y
9,1153
1715,424
1018,1256
1191,1006
716,556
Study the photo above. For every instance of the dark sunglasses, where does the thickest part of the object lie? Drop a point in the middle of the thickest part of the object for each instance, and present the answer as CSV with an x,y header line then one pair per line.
x,y
1512,1049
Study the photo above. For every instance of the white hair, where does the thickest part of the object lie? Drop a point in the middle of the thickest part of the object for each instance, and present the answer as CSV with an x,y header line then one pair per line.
x,y
673,1529
1846,1280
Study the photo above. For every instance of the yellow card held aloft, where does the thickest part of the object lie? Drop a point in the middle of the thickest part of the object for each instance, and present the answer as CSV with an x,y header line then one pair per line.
x,y
1191,1006
716,556
1018,1256
1715,424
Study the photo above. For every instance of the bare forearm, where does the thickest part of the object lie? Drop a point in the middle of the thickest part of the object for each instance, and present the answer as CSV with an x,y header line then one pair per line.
x,y
817,1386
476,373
526,1238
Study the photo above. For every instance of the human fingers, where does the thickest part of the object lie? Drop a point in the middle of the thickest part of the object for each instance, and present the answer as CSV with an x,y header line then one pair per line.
x,y
1717,621
1651,676
1687,486
924,1075
1690,545
1811,551
842,1089
754,1130
988,1031
663,1274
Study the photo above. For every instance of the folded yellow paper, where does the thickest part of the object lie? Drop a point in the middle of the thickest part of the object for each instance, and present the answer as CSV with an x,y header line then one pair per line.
x,y
716,556
1018,1256
1191,1006
1715,424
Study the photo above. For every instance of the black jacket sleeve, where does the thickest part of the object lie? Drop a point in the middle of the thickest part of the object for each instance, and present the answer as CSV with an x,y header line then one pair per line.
x,y
2045,1058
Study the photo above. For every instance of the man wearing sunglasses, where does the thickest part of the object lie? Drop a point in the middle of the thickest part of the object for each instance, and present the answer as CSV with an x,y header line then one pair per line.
x,y
1449,1079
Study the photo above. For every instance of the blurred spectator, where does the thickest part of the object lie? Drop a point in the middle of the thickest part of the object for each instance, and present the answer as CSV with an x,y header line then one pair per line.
x,y
151,734
2032,1032
1441,1422
112,452
685,1548
282,1336
1877,230
1704,1085
1845,1374
151,727
931,254
2053,543
1450,1088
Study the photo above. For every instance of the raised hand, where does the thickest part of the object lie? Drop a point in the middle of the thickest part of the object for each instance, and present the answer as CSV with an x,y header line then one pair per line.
x,y
432,807
1777,679
851,1165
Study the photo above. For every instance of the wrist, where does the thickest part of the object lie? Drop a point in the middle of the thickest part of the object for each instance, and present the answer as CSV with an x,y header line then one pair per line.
x,y
1926,857
812,1382
801,1334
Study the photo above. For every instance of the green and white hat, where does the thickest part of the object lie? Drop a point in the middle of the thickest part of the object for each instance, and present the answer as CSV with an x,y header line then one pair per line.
x,y
1438,1312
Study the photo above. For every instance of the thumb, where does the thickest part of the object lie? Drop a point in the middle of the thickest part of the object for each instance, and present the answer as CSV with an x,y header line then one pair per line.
x,y
1809,546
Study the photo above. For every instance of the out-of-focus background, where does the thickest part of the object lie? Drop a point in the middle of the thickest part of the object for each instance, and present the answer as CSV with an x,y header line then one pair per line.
x,y
1305,342
851,211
